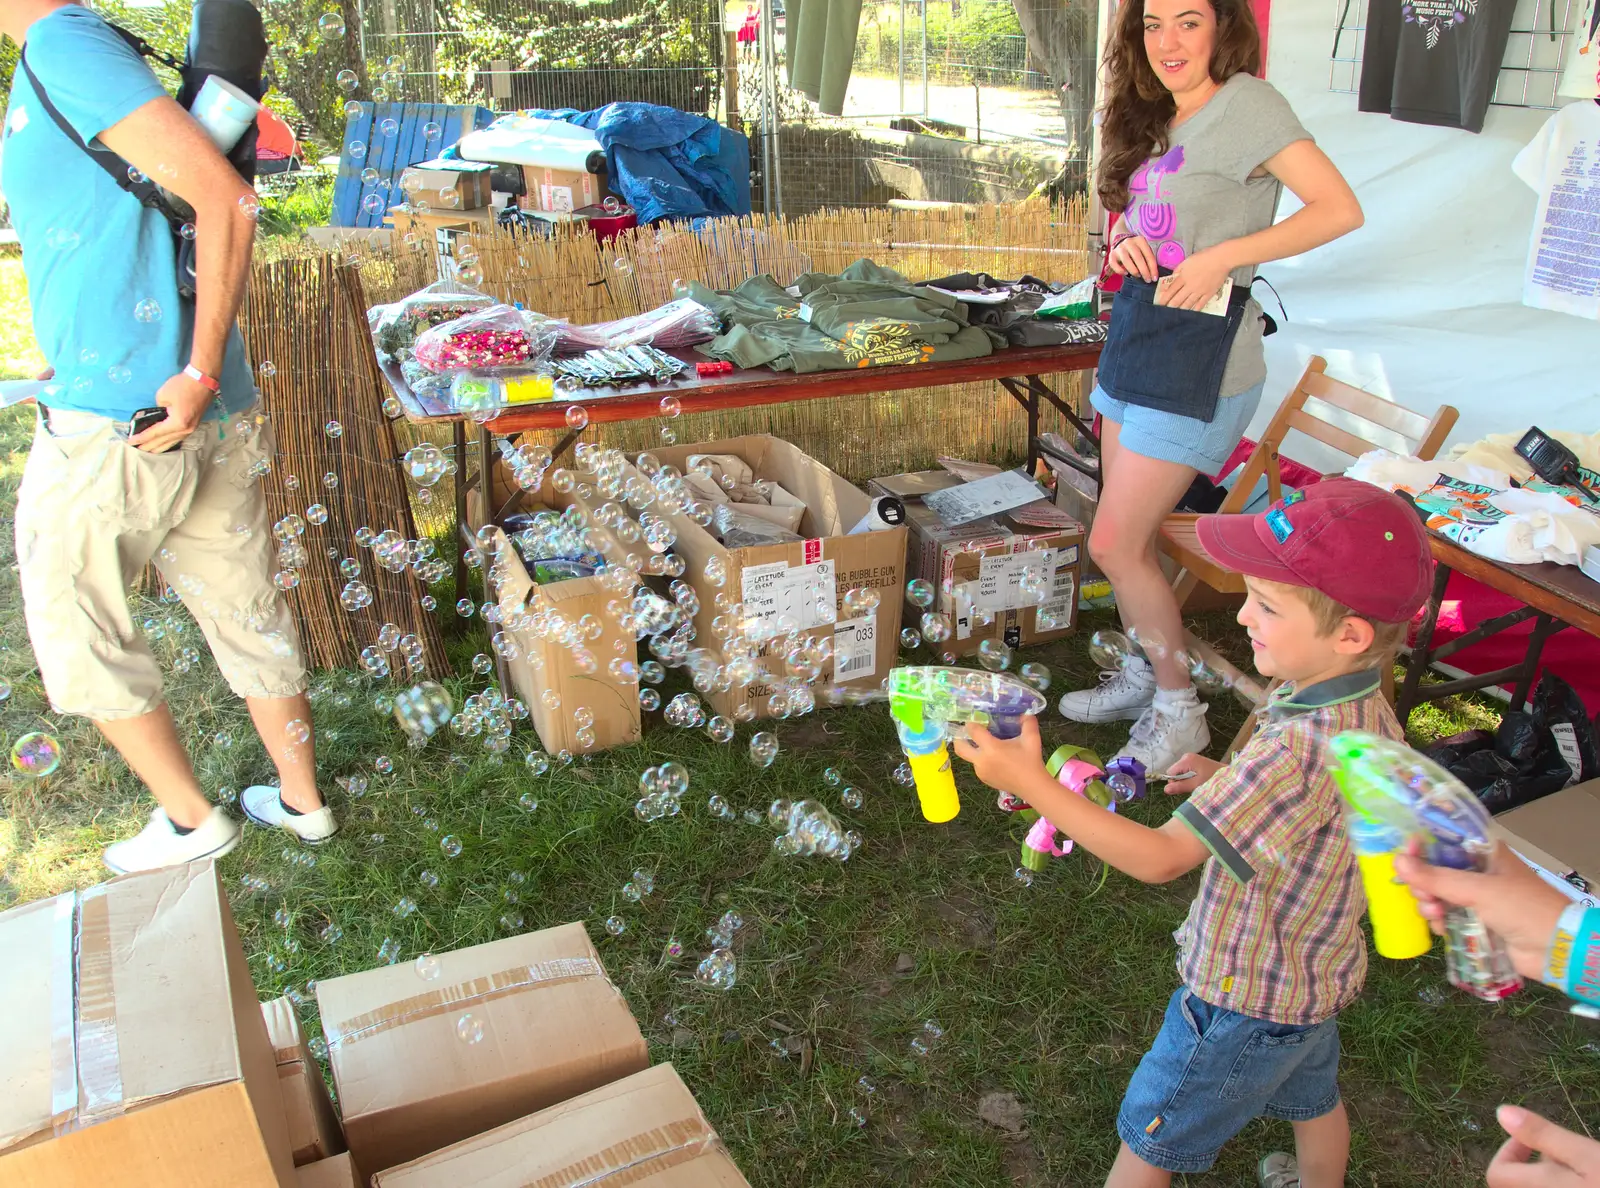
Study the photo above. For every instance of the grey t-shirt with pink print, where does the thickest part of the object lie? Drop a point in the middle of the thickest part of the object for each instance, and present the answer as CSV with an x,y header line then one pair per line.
x,y
1199,193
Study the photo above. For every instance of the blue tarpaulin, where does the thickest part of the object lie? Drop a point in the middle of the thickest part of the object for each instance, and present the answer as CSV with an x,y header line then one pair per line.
x,y
667,163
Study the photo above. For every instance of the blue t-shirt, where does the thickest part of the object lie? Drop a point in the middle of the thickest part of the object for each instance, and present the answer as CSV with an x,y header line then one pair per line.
x,y
101,267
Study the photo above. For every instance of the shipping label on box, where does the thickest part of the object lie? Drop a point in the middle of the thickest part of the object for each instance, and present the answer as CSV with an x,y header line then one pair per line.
x,y
801,593
855,649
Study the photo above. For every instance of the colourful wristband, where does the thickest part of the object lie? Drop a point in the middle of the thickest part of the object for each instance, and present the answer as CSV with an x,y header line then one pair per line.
x,y
1583,971
1559,958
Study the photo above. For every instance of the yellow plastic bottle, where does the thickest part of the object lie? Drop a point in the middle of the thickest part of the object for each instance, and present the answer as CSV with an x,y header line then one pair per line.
x,y
930,767
1399,929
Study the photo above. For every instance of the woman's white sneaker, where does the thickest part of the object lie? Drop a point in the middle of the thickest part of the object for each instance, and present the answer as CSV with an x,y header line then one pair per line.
x,y
262,805
158,844
1124,692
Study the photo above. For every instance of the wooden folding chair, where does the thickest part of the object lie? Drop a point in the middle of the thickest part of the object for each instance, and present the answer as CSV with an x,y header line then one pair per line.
x,y
1362,418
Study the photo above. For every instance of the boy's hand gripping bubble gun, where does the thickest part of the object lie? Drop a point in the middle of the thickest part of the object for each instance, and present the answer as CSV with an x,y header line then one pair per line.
x,y
1396,801
924,701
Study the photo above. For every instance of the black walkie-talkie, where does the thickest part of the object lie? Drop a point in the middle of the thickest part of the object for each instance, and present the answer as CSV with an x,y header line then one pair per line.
x,y
1553,462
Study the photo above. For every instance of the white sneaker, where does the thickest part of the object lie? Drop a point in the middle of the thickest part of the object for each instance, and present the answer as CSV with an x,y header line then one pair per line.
x,y
1158,740
1125,692
158,844
1278,1170
261,804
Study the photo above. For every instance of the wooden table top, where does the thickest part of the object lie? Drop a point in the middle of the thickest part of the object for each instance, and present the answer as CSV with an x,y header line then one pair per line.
x,y
744,388
1564,591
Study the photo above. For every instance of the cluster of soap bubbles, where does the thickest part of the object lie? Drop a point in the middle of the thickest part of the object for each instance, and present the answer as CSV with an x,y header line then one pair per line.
x,y
807,828
492,715
661,791
1114,651
927,1039
720,969
424,709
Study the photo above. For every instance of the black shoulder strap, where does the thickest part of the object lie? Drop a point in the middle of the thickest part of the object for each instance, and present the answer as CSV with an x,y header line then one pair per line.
x,y
145,190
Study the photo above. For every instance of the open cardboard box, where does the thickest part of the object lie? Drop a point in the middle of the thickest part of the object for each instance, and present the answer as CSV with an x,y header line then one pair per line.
x,y
339,1171
1559,836
132,1047
544,666
553,1026
801,579
314,1131
985,559
645,1130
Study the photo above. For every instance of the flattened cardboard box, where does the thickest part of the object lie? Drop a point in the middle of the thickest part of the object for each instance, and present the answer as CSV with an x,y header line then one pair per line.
x,y
542,665
985,560
553,1027
337,1172
468,179
644,1131
800,578
314,1131
1560,835
155,1066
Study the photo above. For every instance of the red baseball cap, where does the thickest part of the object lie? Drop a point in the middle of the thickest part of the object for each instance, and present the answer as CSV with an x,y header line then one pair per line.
x,y
1356,543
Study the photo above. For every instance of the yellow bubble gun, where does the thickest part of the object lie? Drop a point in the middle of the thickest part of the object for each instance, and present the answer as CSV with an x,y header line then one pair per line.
x,y
1397,801
924,701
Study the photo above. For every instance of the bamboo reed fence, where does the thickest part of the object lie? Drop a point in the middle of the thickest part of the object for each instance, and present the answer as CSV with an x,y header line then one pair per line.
x,y
305,325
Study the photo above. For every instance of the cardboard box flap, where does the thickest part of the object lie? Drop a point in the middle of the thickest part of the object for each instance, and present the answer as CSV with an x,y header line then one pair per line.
x,y
283,1031
1561,832
543,998
127,1025
630,1130
833,505
337,1171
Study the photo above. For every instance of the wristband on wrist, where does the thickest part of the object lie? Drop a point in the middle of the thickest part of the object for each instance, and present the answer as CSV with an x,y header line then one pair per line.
x,y
202,378
1583,969
1558,960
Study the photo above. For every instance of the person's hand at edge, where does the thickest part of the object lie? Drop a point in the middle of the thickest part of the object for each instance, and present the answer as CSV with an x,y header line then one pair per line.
x,y
186,401
1132,255
1568,1159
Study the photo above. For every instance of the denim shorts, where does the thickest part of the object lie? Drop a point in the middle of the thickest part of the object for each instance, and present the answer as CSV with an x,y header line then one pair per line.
x,y
1212,1071
1204,445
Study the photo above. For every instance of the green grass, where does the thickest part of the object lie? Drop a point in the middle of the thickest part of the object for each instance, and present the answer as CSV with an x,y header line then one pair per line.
x,y
1051,992
19,354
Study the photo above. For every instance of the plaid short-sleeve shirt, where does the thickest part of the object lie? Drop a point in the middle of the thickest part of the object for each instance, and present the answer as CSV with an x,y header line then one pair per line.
x,y
1275,931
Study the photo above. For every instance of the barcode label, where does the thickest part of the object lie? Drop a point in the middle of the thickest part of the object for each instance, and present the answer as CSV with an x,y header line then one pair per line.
x,y
1056,615
855,649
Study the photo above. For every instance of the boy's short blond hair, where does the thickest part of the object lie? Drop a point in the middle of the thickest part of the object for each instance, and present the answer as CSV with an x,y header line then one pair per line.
x,y
1387,638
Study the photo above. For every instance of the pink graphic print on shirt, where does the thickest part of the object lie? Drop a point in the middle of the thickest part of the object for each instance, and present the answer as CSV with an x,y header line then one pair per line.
x,y
1151,215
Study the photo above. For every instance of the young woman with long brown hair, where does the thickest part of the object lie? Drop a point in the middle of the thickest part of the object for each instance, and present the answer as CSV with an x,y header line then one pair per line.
x,y
1196,151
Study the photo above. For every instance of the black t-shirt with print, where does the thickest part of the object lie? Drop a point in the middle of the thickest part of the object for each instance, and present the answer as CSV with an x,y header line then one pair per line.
x,y
1434,61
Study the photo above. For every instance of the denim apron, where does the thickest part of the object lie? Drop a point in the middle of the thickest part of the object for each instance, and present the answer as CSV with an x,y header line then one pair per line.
x,y
1157,356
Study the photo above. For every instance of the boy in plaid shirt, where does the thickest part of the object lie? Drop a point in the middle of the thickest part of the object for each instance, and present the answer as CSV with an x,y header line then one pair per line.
x,y
1272,948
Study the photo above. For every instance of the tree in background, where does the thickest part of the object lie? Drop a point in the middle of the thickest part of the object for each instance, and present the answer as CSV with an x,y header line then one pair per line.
x,y
1061,40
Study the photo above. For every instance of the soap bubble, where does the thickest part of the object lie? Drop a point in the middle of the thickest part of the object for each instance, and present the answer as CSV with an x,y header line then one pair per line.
x,y
330,24
763,749
372,203
428,967
674,948
851,798
671,406
910,637
451,845
1149,641
1110,650
720,729
537,762
425,464
861,602
469,1028
511,922
528,801
148,310
719,971
616,925
994,655
36,755
346,79
389,951
404,906
935,627
577,417
333,429
383,764
465,607
920,592
388,127
423,709
331,934
1036,675
1023,876
432,131
250,206
904,776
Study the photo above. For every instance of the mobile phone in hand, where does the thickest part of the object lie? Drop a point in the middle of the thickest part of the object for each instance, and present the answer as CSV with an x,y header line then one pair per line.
x,y
147,418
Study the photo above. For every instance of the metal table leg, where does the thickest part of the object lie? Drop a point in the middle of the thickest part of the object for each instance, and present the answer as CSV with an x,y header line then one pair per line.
x,y
1420,656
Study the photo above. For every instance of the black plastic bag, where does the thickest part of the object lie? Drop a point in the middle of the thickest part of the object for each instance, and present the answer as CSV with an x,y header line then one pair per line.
x,y
1482,768
1559,710
1447,752
1520,740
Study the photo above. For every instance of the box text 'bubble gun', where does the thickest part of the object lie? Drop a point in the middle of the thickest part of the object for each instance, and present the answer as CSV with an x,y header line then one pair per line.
x,y
924,701
1397,801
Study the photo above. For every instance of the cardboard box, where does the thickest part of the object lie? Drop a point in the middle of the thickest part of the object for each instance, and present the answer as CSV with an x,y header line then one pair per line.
x,y
449,185
645,1131
337,1172
314,1131
1559,836
560,190
800,578
977,569
553,1026
132,1047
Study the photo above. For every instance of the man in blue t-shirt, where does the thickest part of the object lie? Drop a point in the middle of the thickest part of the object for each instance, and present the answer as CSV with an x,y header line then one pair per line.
x,y
99,501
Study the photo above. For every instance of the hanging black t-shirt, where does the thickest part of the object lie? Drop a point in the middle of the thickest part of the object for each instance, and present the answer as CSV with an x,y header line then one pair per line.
x,y
1434,61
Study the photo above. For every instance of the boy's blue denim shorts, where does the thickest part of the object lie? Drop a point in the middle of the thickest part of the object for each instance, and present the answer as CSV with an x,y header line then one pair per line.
x,y
1211,1071
1204,445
